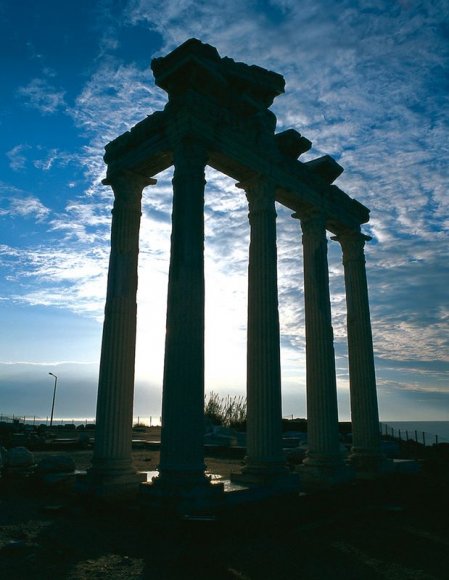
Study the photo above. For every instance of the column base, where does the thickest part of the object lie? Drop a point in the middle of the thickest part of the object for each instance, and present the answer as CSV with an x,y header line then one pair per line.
x,y
110,483
182,494
323,473
265,474
367,464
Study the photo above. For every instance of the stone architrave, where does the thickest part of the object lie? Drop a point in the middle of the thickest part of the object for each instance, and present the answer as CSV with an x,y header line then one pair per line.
x,y
324,462
264,459
365,454
182,467
218,112
112,468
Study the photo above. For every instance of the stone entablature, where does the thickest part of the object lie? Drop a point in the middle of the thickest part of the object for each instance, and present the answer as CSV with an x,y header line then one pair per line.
x,y
217,114
206,102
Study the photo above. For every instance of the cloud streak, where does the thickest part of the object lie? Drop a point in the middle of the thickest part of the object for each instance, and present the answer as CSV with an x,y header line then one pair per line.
x,y
365,83
40,94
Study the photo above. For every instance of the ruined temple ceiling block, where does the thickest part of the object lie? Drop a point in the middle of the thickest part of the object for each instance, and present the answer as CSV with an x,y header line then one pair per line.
x,y
225,105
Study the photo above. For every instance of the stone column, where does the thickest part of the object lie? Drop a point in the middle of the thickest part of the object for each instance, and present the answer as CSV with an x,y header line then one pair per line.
x,y
182,439
323,463
265,460
365,454
112,469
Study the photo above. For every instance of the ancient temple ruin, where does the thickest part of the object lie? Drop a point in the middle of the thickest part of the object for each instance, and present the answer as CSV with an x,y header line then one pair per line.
x,y
218,114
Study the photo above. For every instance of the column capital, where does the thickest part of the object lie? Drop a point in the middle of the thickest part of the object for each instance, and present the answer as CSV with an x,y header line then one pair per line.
x,y
352,244
127,187
260,192
313,224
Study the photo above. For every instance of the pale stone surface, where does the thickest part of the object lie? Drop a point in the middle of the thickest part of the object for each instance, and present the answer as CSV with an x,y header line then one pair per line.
x,y
112,463
264,421
322,414
182,455
324,460
365,454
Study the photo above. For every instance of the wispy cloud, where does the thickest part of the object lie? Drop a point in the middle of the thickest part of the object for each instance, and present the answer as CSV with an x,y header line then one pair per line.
x,y
58,277
53,363
16,203
361,84
17,159
40,94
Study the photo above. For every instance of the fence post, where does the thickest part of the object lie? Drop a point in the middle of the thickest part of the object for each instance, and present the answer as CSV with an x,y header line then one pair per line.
x,y
416,436
423,438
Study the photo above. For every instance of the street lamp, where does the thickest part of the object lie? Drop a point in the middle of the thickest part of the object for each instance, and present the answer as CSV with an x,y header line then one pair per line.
x,y
54,395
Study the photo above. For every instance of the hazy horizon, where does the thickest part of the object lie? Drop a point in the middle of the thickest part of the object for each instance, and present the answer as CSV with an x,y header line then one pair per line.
x,y
365,82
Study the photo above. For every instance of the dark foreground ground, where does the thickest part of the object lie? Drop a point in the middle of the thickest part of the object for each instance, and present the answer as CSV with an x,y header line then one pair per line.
x,y
395,528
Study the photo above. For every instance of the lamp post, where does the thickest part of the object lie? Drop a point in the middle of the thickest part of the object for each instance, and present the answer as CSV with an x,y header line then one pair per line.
x,y
54,395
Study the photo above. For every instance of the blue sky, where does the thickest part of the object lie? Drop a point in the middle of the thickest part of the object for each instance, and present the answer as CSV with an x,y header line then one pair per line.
x,y
367,82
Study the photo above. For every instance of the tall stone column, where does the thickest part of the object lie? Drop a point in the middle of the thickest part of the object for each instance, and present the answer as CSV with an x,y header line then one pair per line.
x,y
365,454
112,469
181,465
323,463
264,407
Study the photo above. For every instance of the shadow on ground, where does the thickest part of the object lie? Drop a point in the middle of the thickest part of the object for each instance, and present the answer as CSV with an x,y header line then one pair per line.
x,y
395,528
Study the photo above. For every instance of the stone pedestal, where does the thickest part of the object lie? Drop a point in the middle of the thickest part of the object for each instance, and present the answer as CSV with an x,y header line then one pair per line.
x,y
323,464
112,471
265,461
181,468
365,454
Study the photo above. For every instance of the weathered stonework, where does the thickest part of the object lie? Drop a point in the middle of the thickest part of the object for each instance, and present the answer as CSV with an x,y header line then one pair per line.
x,y
264,461
365,454
218,114
112,469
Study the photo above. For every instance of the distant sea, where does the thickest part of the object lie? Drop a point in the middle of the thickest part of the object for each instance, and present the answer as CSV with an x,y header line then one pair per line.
x,y
429,428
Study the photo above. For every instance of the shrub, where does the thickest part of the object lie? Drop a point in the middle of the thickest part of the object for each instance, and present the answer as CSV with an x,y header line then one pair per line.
x,y
227,411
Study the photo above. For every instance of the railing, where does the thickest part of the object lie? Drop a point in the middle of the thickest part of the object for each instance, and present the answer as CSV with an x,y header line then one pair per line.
x,y
423,437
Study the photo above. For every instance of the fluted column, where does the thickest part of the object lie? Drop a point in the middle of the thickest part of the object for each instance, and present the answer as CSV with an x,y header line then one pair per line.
x,y
322,412
264,410
182,437
112,464
365,453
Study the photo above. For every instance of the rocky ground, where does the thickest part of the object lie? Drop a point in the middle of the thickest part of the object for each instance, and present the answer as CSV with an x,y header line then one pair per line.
x,y
394,528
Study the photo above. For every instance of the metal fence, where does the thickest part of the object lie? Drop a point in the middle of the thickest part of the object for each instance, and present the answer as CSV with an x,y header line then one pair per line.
x,y
422,437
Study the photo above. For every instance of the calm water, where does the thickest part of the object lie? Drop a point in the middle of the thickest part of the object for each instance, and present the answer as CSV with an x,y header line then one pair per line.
x,y
429,428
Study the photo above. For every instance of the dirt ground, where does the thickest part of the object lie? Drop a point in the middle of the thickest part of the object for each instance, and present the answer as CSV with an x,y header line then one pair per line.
x,y
395,528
